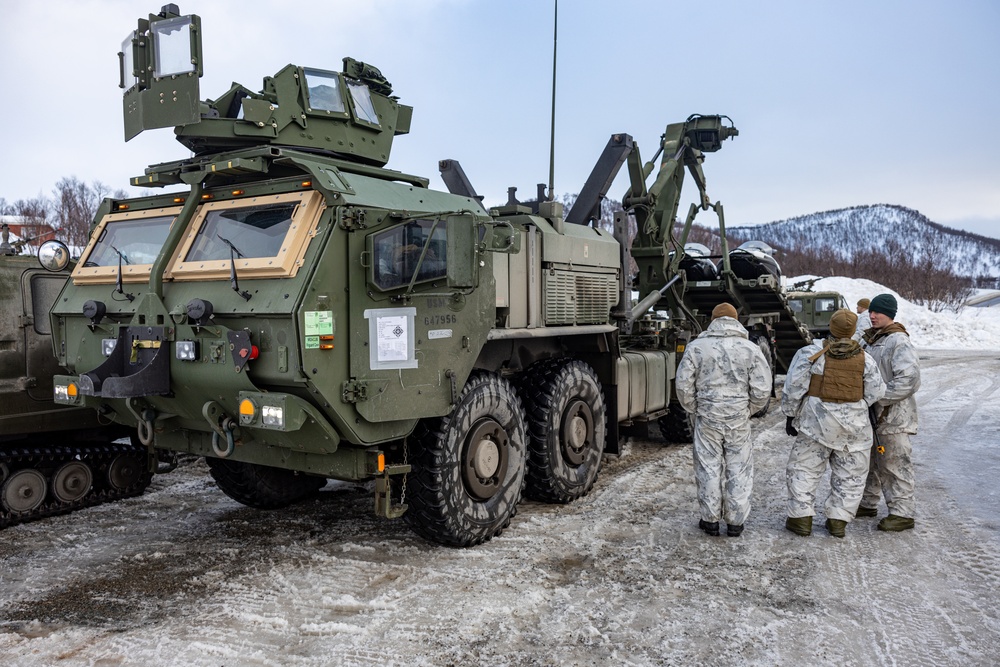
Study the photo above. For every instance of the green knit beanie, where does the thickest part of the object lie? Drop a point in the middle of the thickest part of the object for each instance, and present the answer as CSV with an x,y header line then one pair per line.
x,y
885,304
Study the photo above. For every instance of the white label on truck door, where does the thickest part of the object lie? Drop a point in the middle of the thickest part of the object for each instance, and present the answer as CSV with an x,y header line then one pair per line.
x,y
390,338
434,334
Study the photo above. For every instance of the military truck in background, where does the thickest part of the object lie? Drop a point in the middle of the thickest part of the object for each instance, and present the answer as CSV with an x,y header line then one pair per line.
x,y
300,312
54,458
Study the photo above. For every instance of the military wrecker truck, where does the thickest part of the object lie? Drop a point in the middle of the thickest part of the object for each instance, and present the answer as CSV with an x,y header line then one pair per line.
x,y
300,312
53,458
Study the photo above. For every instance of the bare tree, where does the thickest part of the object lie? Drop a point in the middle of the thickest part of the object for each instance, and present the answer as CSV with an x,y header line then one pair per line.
x,y
73,207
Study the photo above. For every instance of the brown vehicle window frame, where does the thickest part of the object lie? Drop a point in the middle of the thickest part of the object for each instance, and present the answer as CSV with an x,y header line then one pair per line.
x,y
285,264
131,273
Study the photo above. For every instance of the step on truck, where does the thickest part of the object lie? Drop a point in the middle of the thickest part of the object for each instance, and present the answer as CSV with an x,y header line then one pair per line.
x,y
297,311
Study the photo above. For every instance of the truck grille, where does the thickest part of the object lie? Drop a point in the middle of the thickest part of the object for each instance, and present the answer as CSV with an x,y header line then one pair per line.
x,y
579,298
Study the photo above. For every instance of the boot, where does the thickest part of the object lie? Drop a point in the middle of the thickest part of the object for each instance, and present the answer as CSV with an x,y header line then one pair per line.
x,y
836,527
864,512
895,523
800,525
733,530
710,527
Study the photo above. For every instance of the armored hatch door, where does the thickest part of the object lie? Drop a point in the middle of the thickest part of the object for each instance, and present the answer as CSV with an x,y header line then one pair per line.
x,y
40,290
406,330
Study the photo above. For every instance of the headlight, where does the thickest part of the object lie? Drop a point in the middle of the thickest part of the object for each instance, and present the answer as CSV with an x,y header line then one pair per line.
x,y
65,393
186,350
273,415
108,346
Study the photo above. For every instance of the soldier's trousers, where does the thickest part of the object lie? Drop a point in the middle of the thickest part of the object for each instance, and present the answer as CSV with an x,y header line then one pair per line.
x,y
723,470
806,464
892,475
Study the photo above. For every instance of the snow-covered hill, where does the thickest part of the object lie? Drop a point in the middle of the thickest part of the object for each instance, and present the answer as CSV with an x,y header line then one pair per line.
x,y
844,232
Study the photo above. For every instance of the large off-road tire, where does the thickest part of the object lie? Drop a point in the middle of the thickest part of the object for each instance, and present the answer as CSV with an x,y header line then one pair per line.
x,y
764,343
260,486
468,467
677,426
567,425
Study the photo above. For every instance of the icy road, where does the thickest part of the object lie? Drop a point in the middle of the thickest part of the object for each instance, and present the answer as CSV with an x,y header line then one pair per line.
x,y
185,576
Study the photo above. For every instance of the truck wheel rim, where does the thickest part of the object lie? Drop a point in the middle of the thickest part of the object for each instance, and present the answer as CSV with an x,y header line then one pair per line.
x,y
24,491
484,460
577,432
71,482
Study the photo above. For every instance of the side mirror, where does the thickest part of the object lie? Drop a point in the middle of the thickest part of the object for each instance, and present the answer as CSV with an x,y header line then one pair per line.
x,y
463,255
53,256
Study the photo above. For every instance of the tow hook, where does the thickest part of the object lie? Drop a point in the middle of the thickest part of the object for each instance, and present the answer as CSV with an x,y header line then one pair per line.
x,y
383,492
228,426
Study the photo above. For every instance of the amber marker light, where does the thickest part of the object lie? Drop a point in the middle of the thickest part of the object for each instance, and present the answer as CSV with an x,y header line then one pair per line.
x,y
65,393
307,184
326,342
247,410
179,200
237,193
381,462
208,196
121,207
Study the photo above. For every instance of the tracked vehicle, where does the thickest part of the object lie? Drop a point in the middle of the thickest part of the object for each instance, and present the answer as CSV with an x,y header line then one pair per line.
x,y
300,312
814,309
53,458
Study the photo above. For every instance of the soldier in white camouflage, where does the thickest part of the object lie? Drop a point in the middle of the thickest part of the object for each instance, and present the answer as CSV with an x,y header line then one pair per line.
x,y
722,379
891,473
828,390
864,319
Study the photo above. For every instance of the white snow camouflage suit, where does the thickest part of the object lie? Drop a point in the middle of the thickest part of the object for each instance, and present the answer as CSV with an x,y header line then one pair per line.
x,y
840,433
864,323
891,474
722,379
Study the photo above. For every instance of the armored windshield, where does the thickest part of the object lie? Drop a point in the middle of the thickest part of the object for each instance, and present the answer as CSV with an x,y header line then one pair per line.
x,y
263,237
134,239
172,46
254,231
362,99
125,62
324,91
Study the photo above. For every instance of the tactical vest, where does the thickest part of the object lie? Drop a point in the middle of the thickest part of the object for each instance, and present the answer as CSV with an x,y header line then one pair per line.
x,y
842,381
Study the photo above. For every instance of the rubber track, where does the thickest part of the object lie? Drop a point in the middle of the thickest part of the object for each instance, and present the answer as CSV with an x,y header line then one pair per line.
x,y
98,457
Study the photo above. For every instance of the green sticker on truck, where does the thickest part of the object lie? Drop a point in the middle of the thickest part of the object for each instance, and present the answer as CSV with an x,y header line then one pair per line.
x,y
318,323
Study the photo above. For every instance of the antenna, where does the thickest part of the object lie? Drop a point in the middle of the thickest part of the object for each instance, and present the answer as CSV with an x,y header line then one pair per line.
x,y
552,134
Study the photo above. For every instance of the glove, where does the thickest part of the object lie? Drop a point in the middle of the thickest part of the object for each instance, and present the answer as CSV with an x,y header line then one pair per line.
x,y
789,429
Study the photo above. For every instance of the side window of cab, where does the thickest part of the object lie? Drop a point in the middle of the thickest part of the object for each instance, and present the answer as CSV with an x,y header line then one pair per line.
x,y
414,252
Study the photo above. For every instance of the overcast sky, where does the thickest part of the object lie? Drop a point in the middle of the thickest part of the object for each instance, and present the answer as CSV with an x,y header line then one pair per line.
x,y
838,103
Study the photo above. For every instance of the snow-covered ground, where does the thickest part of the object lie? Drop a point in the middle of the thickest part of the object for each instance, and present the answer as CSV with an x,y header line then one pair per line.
x,y
185,576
